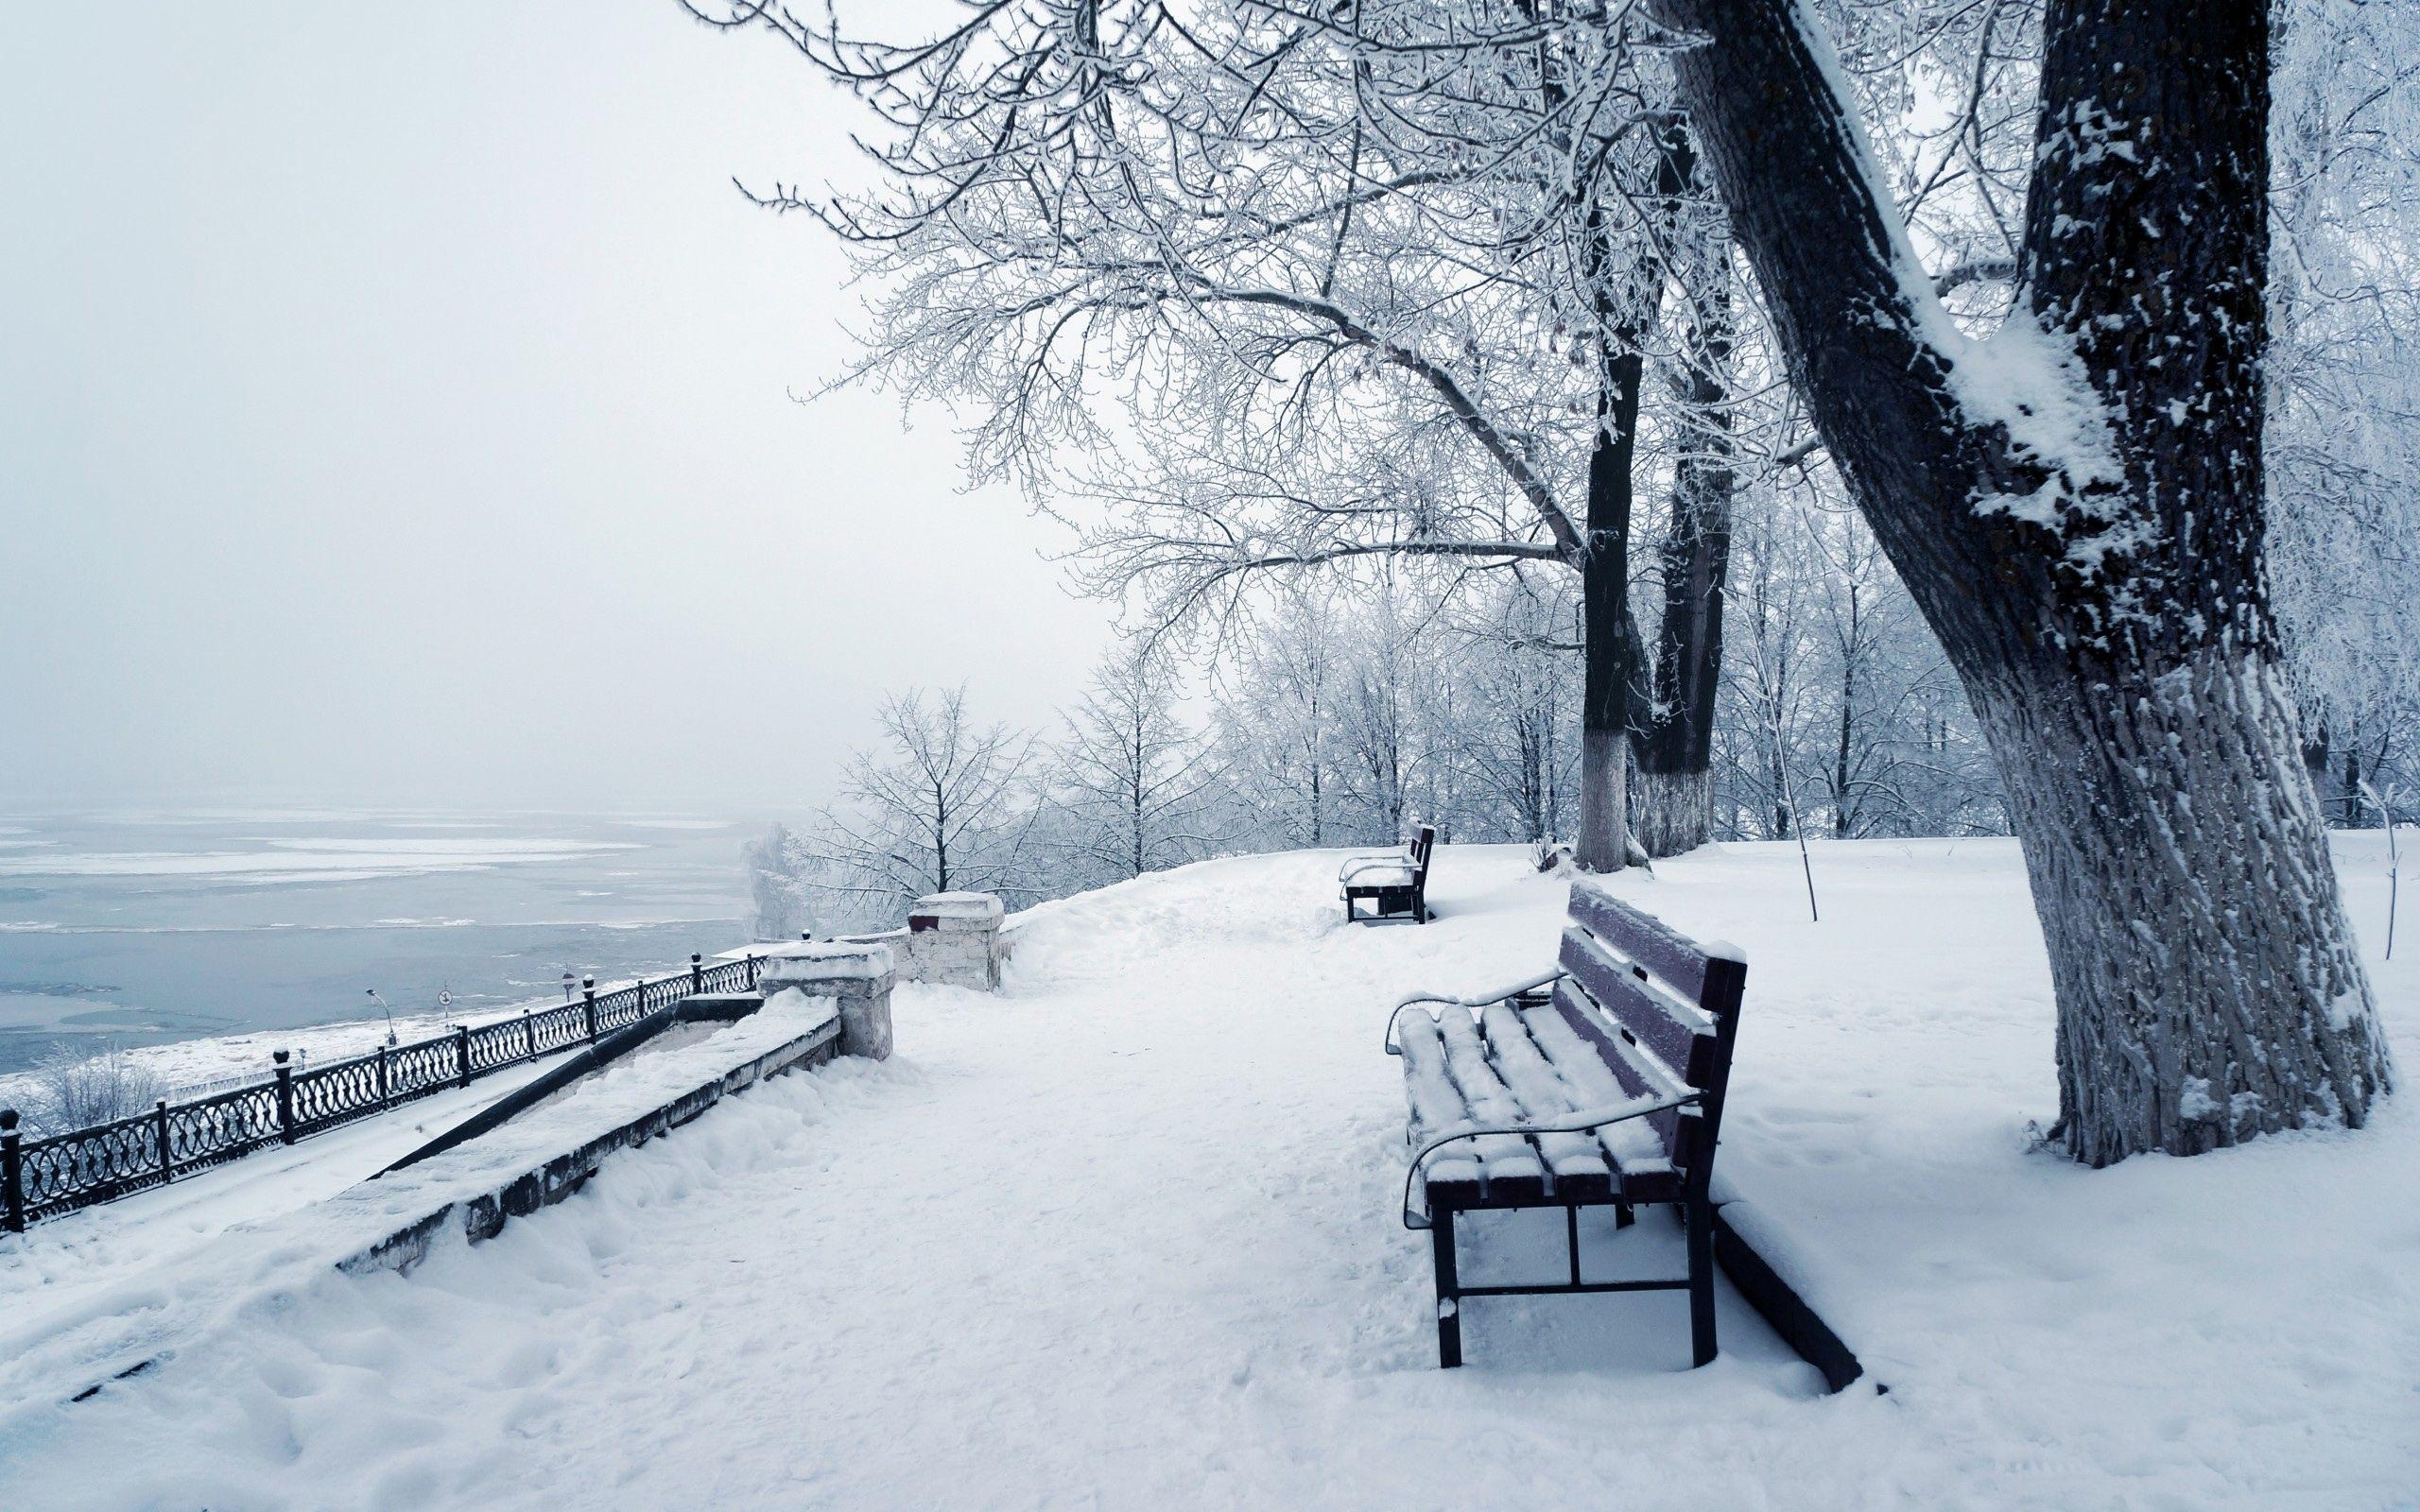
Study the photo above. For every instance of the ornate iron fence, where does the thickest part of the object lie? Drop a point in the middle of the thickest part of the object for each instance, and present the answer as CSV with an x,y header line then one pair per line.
x,y
44,1177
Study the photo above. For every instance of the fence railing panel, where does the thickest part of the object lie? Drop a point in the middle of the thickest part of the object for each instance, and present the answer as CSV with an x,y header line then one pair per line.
x,y
91,1165
56,1174
337,1092
214,1130
495,1045
424,1066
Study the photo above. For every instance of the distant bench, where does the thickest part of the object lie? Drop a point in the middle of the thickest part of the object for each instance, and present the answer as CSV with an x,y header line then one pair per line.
x,y
1391,882
1598,1084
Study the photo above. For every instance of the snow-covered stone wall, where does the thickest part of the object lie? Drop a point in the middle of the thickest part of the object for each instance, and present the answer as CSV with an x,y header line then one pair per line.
x,y
856,976
952,937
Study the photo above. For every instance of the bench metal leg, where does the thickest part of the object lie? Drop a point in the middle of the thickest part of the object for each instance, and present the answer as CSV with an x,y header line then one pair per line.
x,y
1450,1305
1701,1243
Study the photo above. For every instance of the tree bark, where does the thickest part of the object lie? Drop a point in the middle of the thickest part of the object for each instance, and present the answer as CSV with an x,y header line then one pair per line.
x,y
1672,811
1608,666
2077,507
1851,647
1674,740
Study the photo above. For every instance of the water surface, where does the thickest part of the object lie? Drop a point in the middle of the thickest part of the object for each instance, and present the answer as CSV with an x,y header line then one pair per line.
x,y
145,927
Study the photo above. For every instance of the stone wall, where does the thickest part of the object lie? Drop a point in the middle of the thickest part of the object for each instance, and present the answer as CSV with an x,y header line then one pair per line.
x,y
857,976
954,939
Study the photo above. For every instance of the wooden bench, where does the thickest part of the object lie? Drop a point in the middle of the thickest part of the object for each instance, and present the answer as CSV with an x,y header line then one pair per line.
x,y
1395,881
1598,1084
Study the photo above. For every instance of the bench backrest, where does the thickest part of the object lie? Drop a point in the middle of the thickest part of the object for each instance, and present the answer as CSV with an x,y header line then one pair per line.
x,y
1661,1011
1424,839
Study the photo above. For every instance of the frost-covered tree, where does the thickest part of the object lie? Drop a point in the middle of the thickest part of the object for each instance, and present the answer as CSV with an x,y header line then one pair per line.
x,y
2343,373
73,1088
785,908
1839,712
2078,505
941,804
1366,282
1276,710
1133,786
1512,741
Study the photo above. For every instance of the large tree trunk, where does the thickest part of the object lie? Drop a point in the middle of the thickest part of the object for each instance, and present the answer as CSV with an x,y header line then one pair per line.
x,y
1605,633
1608,664
2077,507
1672,808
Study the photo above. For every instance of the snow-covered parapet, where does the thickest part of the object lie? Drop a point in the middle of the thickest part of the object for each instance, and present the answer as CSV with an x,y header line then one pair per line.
x,y
856,976
952,937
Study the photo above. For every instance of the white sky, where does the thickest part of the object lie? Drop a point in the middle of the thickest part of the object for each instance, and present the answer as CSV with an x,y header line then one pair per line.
x,y
393,408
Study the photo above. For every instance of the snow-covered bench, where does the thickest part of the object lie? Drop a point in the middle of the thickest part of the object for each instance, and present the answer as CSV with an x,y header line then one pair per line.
x,y
1597,1084
1395,881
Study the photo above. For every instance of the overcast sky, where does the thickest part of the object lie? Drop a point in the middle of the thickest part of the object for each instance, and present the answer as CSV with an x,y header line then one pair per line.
x,y
394,407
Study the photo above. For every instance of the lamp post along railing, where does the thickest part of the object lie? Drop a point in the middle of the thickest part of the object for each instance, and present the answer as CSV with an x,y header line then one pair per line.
x,y
12,1173
285,1096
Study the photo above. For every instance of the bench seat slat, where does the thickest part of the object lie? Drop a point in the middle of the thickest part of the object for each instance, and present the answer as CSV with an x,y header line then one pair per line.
x,y
1509,1164
1437,1104
1544,1096
1584,1172
1572,1035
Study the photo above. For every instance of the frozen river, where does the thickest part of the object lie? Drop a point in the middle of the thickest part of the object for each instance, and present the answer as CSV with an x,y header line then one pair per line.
x,y
150,927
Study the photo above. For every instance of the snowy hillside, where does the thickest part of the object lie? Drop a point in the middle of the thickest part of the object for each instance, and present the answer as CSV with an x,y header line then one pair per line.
x,y
1125,1236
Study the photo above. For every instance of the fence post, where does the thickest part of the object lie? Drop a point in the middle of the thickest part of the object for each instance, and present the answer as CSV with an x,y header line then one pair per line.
x,y
285,1096
528,1035
696,973
462,1050
588,988
168,1162
385,1100
751,970
13,1172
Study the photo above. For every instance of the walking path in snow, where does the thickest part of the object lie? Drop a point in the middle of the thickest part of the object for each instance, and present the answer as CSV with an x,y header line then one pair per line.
x,y
1126,1237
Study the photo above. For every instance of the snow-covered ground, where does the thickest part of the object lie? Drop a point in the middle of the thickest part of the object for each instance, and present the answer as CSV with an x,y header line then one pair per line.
x,y
57,1266
1125,1236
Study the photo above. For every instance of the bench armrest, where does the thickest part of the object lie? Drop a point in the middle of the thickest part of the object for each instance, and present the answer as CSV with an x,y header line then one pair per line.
x,y
1515,991
1584,1121
1353,866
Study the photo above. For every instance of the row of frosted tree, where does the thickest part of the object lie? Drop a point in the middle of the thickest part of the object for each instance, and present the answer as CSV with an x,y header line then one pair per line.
x,y
2096,318
1344,716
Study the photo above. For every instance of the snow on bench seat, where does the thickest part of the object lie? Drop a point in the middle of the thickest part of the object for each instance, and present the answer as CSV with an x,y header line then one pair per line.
x,y
1516,1066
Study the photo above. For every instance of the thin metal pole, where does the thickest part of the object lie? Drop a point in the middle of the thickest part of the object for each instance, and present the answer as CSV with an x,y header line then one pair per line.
x,y
2393,863
12,1173
285,1096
